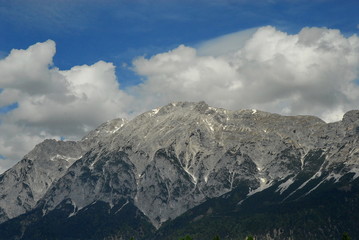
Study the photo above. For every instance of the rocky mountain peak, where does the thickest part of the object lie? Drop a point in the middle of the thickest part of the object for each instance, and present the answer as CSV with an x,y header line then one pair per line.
x,y
173,158
105,130
351,117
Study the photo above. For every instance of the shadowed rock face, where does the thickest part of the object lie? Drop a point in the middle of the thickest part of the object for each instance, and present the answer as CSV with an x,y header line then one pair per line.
x,y
173,158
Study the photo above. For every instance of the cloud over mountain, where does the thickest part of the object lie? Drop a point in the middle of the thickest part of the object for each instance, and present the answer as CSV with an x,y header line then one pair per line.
x,y
312,72
53,103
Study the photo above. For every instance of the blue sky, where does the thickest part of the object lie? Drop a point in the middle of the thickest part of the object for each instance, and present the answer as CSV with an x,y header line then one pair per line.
x,y
120,30
66,66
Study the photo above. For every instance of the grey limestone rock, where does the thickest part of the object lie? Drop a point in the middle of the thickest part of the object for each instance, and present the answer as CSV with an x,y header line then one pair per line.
x,y
22,186
170,159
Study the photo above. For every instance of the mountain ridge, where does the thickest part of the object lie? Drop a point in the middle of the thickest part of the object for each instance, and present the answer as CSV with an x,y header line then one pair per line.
x,y
172,159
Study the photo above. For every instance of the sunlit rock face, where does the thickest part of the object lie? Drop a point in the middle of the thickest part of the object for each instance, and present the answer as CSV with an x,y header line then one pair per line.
x,y
170,159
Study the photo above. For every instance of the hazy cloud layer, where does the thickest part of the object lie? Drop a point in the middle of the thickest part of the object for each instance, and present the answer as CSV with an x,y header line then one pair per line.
x,y
312,72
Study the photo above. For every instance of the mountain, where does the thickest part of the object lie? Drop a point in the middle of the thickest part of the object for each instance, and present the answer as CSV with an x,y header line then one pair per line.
x,y
190,168
22,186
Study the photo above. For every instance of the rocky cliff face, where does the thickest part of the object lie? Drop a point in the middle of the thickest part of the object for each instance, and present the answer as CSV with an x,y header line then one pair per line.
x,y
171,159
22,186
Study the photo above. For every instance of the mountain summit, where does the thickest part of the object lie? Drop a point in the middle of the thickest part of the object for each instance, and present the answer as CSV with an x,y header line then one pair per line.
x,y
175,168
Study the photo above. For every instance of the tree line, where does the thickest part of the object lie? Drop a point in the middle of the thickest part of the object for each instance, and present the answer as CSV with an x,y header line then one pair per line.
x,y
345,236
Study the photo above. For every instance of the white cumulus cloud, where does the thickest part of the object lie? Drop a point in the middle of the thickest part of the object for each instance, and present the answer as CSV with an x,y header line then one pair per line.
x,y
183,75
53,103
312,72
